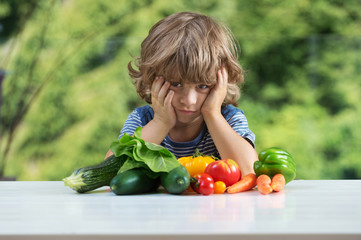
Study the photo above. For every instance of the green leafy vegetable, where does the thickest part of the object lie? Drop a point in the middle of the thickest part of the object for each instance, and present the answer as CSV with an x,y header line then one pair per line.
x,y
143,154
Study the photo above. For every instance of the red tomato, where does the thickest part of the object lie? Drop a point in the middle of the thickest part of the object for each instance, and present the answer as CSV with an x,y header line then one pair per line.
x,y
225,170
202,183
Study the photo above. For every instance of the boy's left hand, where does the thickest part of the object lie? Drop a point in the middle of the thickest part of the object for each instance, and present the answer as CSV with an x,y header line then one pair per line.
x,y
215,98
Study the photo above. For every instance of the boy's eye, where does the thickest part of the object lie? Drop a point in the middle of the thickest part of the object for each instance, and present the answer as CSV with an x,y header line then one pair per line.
x,y
203,86
175,84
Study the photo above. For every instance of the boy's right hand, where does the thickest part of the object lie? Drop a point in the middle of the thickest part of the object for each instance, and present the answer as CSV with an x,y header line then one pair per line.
x,y
164,113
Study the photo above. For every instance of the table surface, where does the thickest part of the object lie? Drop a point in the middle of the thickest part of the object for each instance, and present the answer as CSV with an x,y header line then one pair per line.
x,y
305,209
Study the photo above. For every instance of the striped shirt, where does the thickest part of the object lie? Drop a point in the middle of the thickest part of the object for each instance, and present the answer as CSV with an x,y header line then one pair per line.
x,y
203,142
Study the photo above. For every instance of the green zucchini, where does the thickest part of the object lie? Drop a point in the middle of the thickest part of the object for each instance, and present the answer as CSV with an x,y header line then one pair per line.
x,y
176,181
133,181
92,177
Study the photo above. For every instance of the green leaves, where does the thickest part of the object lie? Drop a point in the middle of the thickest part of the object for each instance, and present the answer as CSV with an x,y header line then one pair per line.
x,y
143,154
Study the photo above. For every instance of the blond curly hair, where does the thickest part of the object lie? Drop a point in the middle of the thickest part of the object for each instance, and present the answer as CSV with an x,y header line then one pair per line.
x,y
187,47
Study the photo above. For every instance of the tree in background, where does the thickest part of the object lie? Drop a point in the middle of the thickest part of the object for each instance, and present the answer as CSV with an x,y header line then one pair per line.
x,y
68,93
304,81
13,21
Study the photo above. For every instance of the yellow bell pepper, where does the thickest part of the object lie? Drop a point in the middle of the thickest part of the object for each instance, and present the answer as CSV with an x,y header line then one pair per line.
x,y
196,164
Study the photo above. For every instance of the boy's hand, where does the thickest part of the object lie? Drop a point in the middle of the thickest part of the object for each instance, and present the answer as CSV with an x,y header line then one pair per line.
x,y
162,103
213,103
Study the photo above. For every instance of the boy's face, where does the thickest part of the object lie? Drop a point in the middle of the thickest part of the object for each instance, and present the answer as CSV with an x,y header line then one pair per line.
x,y
188,100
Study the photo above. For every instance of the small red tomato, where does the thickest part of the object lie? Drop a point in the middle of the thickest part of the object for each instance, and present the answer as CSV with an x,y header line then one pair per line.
x,y
202,183
225,170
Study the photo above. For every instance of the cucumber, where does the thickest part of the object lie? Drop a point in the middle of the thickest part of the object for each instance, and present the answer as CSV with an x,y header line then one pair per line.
x,y
176,181
133,181
92,177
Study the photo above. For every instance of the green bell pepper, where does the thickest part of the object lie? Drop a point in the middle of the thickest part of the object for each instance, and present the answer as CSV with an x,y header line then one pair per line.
x,y
275,160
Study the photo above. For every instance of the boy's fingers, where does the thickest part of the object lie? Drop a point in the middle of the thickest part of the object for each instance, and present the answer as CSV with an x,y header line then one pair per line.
x,y
225,74
222,75
157,84
163,91
168,98
219,78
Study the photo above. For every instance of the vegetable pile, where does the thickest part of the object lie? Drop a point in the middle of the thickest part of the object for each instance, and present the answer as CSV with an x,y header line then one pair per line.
x,y
138,166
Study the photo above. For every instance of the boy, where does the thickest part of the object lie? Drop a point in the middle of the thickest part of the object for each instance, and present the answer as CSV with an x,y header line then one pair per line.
x,y
188,71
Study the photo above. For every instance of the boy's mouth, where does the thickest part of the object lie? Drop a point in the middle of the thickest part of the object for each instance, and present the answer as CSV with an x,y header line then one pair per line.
x,y
186,112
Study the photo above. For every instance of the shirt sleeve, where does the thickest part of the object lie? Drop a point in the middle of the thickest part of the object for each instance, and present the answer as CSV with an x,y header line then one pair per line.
x,y
133,121
239,123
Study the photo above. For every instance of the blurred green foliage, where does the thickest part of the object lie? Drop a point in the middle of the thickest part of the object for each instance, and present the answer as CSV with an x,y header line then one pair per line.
x,y
67,93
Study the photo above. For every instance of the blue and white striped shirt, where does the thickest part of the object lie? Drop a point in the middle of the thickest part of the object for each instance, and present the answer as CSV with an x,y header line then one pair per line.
x,y
234,116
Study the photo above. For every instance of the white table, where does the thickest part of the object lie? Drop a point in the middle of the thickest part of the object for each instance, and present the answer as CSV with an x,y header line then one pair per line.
x,y
322,209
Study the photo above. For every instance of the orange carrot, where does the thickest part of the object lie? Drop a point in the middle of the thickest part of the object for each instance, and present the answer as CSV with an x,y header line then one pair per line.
x,y
263,179
278,182
264,184
246,183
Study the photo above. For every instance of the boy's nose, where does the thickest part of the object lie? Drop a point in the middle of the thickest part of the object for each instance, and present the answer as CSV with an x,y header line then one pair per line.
x,y
189,97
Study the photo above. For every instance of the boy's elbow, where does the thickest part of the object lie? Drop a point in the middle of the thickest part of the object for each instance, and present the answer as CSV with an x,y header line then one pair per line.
x,y
109,153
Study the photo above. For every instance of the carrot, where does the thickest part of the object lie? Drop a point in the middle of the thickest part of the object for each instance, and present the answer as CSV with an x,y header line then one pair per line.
x,y
263,179
246,183
264,184
278,182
